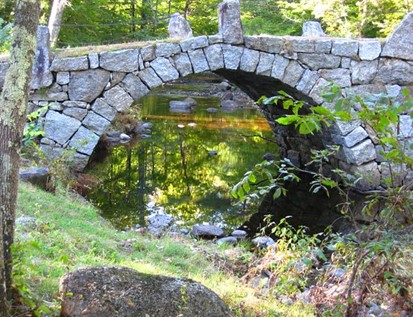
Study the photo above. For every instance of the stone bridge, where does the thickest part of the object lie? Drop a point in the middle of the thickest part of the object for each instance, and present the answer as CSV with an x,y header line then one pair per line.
x,y
86,93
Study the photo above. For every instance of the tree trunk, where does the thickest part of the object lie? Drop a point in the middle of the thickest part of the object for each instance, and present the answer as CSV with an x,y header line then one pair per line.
x,y
55,19
13,101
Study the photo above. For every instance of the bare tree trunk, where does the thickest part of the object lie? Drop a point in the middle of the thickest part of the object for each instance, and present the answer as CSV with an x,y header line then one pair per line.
x,y
55,19
13,101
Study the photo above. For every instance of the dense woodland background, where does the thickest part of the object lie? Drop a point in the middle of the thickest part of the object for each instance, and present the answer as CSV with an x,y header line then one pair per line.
x,y
114,21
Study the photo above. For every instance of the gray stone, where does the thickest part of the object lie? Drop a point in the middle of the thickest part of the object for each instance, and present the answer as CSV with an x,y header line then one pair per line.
x,y
263,242
93,60
198,60
95,123
77,113
317,61
393,90
345,127
215,39
405,128
229,104
215,56
346,62
69,64
51,152
339,76
393,71
400,43
194,43
110,291
179,27
120,61
206,231
227,240
279,66
116,78
79,162
57,106
355,136
159,223
77,104
345,47
101,107
361,153
265,64
179,106
232,56
164,69
63,78
367,89
118,98
167,49
134,86
59,127
266,43
307,81
363,72
148,53
300,44
27,223
183,64
38,176
49,96
249,60
323,46
88,85
84,141
41,74
369,50
229,22
370,174
239,234
293,73
150,78
313,28
318,90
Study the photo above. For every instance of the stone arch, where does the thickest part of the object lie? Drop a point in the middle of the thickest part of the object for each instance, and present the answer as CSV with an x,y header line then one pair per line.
x,y
88,91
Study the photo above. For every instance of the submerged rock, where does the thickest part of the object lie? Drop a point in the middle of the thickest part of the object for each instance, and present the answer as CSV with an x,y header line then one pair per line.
x,y
123,292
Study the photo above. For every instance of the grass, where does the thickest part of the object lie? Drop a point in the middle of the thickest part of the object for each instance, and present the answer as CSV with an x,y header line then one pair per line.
x,y
70,234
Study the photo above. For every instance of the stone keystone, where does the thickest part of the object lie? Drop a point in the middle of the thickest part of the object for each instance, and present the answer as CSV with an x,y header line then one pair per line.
x,y
229,22
400,43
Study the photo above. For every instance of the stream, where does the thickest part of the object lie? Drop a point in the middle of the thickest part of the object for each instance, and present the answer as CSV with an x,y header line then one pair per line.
x,y
187,164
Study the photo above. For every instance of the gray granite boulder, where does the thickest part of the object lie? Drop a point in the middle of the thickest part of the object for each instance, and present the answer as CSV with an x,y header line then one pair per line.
x,y
123,292
39,176
400,43
207,231
313,28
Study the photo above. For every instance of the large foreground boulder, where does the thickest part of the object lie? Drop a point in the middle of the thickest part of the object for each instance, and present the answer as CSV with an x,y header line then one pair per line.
x,y
119,291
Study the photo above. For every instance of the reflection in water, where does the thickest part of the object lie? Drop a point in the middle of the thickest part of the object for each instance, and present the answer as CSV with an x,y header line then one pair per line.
x,y
186,168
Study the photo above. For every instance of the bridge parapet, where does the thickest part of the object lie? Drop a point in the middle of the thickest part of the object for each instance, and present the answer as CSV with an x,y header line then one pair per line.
x,y
87,92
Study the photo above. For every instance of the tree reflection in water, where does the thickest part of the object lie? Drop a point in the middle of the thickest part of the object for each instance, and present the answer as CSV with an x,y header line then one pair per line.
x,y
176,170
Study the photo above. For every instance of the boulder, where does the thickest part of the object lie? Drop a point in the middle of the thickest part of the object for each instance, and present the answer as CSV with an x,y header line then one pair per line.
x,y
41,74
207,231
39,176
263,242
178,27
122,292
159,223
228,241
399,44
239,234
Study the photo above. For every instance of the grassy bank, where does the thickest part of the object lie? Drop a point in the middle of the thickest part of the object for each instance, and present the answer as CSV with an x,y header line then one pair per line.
x,y
69,234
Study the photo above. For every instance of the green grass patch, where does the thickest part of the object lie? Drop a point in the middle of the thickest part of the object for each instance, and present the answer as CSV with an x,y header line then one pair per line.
x,y
71,234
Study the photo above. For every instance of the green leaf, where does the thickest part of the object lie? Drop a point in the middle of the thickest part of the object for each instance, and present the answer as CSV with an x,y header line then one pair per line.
x,y
321,110
277,193
252,178
246,187
287,120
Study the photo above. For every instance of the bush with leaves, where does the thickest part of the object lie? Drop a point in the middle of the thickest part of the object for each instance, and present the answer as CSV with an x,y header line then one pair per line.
x,y
375,255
